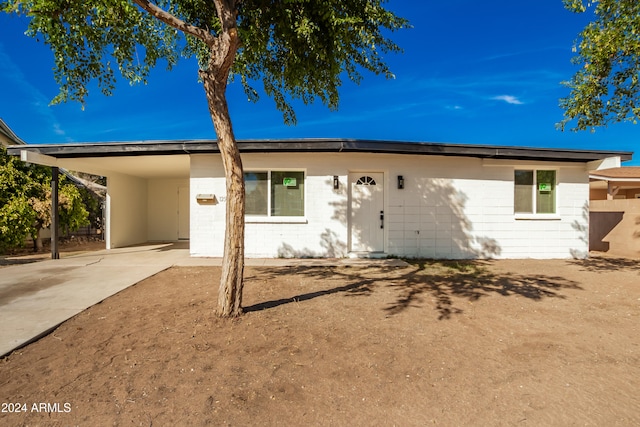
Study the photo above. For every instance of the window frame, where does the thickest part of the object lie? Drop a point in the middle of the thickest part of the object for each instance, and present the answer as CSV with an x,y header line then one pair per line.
x,y
533,215
269,218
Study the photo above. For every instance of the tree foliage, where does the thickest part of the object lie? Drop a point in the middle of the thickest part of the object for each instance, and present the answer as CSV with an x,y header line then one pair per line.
x,y
606,88
297,49
304,49
25,202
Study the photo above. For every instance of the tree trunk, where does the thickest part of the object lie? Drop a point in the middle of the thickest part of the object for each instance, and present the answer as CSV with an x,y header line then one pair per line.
x,y
215,84
223,48
37,241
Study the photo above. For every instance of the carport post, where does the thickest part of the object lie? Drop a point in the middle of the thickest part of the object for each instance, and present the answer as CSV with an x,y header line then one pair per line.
x,y
55,254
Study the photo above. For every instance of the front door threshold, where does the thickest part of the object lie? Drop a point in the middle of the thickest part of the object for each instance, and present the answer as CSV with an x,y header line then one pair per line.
x,y
370,255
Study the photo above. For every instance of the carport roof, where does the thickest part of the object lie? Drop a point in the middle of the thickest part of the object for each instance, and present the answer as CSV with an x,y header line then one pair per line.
x,y
625,177
627,173
177,147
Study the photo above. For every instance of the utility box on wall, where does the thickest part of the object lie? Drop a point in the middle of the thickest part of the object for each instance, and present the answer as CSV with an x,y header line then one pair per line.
x,y
207,199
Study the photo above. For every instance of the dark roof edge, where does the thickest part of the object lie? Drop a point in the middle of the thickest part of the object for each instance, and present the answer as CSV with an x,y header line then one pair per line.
x,y
157,148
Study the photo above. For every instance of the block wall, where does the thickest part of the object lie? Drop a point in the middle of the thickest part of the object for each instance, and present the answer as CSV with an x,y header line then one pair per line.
x,y
450,207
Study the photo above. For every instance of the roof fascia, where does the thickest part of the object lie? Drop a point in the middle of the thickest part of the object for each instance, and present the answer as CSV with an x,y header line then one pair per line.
x,y
142,148
612,179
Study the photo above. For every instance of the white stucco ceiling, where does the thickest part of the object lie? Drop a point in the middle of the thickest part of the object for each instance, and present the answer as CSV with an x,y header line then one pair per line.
x,y
173,166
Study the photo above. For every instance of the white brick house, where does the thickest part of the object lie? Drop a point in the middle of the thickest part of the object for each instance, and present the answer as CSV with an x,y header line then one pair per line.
x,y
337,198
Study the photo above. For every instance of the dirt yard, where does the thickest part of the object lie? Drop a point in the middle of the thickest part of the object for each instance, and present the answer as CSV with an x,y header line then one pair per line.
x,y
524,343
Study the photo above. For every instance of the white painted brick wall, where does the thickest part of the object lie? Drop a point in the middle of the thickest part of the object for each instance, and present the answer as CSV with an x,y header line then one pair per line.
x,y
449,208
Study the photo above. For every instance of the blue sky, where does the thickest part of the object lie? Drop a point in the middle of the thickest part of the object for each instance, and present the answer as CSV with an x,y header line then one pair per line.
x,y
471,73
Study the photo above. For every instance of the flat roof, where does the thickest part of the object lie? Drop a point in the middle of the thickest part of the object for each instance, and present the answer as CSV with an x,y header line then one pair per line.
x,y
172,147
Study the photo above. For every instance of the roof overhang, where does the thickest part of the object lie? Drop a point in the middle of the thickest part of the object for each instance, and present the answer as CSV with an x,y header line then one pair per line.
x,y
615,178
626,174
7,136
167,148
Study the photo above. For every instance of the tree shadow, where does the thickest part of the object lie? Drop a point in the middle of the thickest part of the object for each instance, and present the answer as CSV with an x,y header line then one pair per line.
x,y
443,282
355,284
582,228
10,260
602,264
427,219
470,280
430,218
332,247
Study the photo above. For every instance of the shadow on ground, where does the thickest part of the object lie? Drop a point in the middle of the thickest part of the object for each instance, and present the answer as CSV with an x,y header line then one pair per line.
x,y
607,263
423,281
6,261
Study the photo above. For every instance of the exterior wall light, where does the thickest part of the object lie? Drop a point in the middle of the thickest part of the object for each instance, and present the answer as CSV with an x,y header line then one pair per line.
x,y
336,182
400,182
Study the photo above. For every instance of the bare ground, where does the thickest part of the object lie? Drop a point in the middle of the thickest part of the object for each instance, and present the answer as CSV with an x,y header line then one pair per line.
x,y
524,343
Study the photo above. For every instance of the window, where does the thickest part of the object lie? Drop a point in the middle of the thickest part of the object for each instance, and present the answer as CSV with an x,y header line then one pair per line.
x,y
366,180
535,191
274,193
256,193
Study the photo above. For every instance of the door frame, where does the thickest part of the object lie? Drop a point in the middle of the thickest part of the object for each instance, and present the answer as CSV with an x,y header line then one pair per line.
x,y
353,175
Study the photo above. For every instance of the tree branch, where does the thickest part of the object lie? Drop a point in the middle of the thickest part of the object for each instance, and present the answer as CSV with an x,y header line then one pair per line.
x,y
227,13
176,22
224,46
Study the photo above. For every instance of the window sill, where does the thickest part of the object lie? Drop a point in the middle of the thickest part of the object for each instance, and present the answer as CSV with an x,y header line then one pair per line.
x,y
538,217
275,220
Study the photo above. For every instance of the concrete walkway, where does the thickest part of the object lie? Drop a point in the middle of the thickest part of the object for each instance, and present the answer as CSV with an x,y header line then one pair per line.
x,y
37,297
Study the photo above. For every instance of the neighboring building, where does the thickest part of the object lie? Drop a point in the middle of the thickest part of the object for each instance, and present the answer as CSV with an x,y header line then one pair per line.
x,y
614,211
615,183
336,198
7,136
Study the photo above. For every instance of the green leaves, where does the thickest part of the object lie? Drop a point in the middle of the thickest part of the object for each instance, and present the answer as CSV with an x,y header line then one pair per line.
x,y
90,39
73,213
605,89
25,201
298,49
303,49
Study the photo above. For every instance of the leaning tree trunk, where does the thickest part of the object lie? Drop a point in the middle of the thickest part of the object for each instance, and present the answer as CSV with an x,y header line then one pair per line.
x,y
223,48
231,280
215,83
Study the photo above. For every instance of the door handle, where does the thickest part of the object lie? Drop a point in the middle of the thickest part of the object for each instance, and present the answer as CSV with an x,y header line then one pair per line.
x,y
381,219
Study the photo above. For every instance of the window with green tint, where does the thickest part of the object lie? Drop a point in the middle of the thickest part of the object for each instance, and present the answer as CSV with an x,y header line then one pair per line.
x,y
545,192
274,193
535,191
256,193
287,193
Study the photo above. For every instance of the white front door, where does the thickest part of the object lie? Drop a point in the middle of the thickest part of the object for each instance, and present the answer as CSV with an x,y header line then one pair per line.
x,y
366,222
183,213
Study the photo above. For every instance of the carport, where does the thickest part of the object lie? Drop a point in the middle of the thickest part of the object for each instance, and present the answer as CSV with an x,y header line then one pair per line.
x,y
147,185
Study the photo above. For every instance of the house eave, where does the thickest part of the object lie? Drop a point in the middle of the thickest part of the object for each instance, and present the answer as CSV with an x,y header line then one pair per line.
x,y
10,135
163,148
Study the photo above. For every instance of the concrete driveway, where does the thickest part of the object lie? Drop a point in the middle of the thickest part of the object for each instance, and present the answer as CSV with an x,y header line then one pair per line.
x,y
35,298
